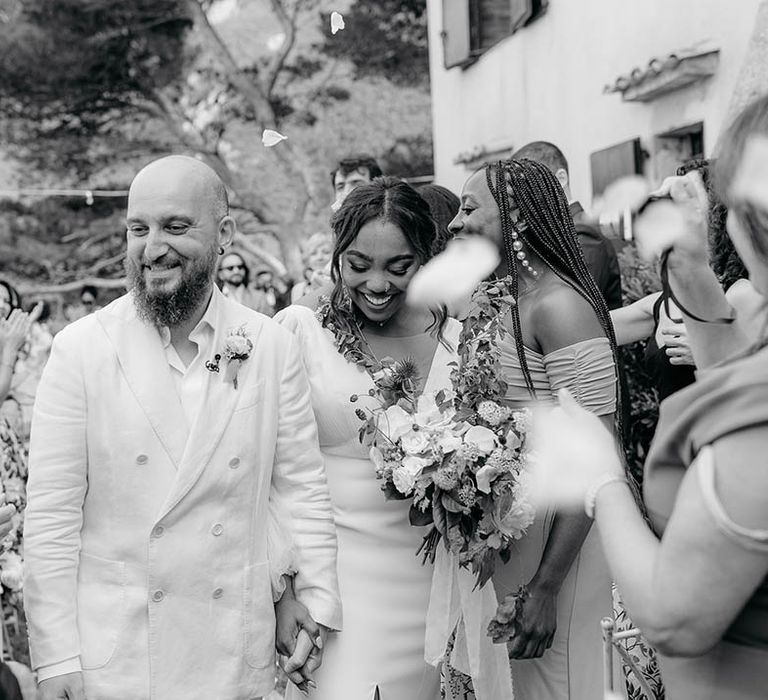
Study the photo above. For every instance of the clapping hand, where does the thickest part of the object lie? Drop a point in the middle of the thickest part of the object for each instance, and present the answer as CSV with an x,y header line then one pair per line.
x,y
14,330
571,449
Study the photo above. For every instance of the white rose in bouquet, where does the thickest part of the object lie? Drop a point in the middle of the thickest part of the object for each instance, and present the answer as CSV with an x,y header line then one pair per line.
x,y
394,423
481,437
414,442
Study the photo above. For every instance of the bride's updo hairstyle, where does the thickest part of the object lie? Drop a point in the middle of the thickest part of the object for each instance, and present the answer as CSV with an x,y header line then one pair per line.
x,y
533,206
385,199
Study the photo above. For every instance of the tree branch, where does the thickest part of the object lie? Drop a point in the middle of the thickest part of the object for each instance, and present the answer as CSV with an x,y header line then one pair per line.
x,y
288,23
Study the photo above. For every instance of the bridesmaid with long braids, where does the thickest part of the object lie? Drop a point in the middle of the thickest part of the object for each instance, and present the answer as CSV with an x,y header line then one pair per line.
x,y
559,335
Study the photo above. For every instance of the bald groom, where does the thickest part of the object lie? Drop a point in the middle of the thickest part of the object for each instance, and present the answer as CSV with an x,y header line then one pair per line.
x,y
166,424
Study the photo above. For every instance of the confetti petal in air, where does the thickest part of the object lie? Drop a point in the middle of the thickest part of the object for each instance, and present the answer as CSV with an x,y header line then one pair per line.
x,y
275,42
659,227
450,277
337,22
751,180
626,193
271,138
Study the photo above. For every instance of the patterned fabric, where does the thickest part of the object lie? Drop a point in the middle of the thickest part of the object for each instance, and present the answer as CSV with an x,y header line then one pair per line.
x,y
454,685
641,653
13,478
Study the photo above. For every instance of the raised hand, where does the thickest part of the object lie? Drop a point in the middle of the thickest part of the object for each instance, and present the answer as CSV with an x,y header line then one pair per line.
x,y
680,223
565,468
14,330
676,345
67,687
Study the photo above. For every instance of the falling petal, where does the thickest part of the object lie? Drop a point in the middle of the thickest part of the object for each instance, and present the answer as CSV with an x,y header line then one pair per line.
x,y
271,138
337,22
751,180
659,227
450,277
275,42
626,193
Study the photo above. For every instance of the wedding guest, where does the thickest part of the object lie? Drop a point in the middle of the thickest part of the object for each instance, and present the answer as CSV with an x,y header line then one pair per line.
x,y
30,362
165,426
316,256
559,335
443,204
89,296
234,278
697,583
351,172
383,234
16,334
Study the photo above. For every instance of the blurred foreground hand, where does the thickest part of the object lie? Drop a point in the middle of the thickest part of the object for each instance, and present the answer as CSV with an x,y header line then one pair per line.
x,y
571,449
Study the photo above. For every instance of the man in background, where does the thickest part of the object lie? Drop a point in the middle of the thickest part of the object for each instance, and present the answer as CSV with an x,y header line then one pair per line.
x,y
352,172
599,253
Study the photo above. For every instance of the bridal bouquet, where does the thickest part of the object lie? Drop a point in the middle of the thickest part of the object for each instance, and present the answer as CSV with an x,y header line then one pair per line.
x,y
459,454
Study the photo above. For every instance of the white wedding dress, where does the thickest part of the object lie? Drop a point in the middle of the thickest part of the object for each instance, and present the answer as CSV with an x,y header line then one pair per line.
x,y
384,587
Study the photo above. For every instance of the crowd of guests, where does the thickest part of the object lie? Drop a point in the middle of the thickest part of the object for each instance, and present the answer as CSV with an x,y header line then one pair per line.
x,y
689,556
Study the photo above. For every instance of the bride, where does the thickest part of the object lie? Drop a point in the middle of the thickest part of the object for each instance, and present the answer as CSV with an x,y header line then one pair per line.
x,y
383,234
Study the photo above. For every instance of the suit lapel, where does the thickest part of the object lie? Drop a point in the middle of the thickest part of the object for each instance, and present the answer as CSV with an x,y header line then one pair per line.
x,y
219,402
142,359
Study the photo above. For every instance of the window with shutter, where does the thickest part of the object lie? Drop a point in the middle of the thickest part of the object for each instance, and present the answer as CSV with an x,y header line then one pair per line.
x,y
471,27
455,34
612,163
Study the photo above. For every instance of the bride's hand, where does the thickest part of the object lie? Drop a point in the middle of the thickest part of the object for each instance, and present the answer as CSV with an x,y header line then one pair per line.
x,y
571,449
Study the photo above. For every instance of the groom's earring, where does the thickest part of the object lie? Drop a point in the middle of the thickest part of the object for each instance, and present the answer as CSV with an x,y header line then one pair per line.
x,y
221,250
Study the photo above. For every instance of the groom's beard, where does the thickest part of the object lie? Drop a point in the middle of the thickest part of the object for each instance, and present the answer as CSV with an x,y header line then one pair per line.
x,y
170,308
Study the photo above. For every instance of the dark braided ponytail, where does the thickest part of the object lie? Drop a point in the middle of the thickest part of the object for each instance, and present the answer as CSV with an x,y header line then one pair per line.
x,y
533,208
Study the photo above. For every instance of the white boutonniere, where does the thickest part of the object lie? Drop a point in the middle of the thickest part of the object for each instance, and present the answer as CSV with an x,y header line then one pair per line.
x,y
237,349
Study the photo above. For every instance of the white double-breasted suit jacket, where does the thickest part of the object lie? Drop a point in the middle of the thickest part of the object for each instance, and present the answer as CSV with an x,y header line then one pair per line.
x,y
146,541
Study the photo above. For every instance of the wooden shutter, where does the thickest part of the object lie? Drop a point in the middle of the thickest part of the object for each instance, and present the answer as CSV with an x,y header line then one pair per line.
x,y
520,12
455,34
612,163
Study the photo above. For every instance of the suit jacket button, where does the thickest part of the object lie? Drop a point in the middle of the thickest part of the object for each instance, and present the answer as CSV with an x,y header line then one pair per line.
x,y
234,463
218,593
158,531
217,529
157,596
142,459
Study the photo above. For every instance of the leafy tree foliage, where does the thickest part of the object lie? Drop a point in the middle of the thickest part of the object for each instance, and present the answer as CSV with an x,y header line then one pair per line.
x,y
385,38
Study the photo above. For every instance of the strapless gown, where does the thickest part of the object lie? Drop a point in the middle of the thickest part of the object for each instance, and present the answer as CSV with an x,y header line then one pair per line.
x,y
573,668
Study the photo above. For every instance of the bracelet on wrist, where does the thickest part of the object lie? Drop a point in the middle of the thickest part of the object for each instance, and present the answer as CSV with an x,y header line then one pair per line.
x,y
590,498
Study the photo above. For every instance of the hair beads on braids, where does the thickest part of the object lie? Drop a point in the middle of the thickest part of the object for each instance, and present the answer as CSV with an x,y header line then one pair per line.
x,y
547,228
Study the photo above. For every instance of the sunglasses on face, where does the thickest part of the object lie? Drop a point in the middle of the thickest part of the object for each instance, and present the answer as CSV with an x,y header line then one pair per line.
x,y
230,268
